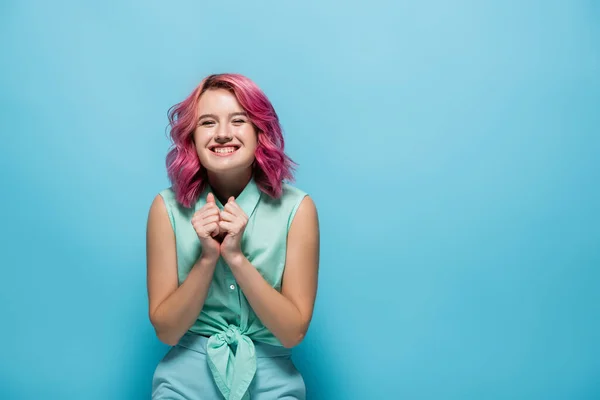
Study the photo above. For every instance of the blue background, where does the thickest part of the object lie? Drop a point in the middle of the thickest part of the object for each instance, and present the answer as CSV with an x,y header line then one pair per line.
x,y
452,148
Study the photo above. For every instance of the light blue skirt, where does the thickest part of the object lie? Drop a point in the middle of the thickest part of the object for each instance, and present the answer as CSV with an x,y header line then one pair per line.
x,y
183,373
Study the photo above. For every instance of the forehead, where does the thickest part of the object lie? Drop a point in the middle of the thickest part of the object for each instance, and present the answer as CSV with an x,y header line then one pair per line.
x,y
216,101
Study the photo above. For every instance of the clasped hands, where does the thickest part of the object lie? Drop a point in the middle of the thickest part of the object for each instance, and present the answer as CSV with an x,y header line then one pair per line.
x,y
220,231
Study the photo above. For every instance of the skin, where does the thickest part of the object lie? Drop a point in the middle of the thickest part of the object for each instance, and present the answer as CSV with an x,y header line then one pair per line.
x,y
174,309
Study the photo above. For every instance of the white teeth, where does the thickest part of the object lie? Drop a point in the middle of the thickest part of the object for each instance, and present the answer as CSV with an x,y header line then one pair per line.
x,y
224,149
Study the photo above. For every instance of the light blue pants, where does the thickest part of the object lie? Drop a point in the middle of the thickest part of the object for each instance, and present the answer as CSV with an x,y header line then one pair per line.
x,y
183,373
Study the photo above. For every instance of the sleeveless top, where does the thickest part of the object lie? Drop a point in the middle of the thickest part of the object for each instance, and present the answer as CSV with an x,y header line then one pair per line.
x,y
226,317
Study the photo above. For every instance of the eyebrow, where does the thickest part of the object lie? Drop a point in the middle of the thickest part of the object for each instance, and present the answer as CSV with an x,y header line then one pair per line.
x,y
242,113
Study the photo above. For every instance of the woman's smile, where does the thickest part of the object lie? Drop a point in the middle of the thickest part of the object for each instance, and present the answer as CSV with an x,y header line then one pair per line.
x,y
224,151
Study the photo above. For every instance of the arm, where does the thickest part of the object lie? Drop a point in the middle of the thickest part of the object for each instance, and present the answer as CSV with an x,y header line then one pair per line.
x,y
286,314
172,309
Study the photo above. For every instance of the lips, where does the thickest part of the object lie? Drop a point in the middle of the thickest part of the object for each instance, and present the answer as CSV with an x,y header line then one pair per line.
x,y
222,146
224,151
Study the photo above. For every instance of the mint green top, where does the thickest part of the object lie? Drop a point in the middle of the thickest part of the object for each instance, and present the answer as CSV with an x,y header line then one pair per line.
x,y
227,318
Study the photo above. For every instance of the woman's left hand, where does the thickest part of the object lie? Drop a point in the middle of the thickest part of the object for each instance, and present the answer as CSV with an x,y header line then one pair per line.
x,y
233,221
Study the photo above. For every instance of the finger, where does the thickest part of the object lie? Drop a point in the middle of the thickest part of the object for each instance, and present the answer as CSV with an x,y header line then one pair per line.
x,y
210,219
232,207
229,206
199,217
210,210
212,229
202,221
228,227
205,208
237,208
210,198
208,230
231,200
227,216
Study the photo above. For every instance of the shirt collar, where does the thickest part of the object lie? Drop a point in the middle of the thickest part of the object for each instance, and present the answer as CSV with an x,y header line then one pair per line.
x,y
247,199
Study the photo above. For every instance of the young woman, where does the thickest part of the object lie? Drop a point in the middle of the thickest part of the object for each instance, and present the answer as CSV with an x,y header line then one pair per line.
x,y
232,251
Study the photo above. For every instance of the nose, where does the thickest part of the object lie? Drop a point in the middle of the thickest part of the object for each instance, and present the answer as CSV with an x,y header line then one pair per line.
x,y
222,134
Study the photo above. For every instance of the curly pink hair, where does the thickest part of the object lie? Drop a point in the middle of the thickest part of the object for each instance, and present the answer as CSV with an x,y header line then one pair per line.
x,y
272,166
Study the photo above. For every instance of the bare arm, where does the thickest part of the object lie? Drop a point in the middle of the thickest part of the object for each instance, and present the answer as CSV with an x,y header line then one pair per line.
x,y
172,309
287,314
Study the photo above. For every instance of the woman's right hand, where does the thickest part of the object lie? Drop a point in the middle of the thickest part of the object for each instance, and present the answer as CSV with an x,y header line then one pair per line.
x,y
206,224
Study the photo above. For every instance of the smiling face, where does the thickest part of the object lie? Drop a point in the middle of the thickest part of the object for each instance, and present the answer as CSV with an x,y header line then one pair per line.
x,y
225,138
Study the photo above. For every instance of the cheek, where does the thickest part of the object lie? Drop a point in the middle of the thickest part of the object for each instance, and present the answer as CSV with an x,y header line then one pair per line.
x,y
200,143
201,136
250,138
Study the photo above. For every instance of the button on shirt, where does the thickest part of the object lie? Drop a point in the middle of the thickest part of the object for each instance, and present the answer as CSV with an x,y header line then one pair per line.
x,y
226,317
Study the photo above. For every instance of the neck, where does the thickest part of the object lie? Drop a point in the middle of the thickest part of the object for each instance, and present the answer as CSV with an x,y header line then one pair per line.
x,y
227,185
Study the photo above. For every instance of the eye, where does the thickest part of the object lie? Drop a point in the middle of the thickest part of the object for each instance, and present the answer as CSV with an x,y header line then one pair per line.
x,y
207,123
238,121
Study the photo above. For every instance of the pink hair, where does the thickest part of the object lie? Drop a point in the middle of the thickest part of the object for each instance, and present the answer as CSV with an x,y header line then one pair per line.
x,y
188,177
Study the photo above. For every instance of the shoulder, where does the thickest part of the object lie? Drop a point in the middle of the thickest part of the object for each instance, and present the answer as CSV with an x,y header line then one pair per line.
x,y
164,199
290,196
304,221
302,205
162,205
167,195
291,190
293,195
306,208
